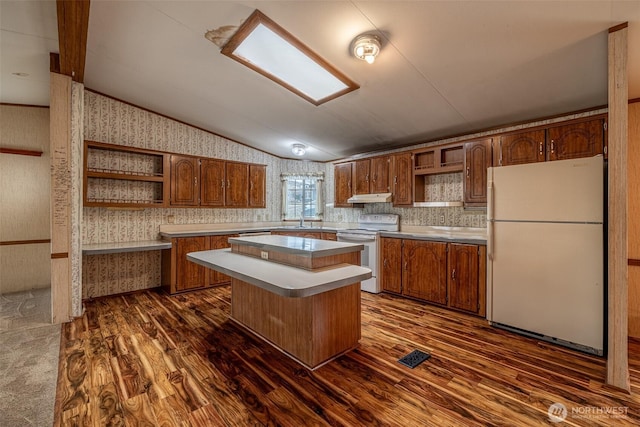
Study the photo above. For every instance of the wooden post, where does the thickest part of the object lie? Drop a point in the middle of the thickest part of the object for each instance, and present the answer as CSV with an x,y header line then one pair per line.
x,y
60,134
617,357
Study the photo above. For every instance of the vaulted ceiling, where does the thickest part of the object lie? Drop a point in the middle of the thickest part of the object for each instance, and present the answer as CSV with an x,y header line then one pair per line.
x,y
446,67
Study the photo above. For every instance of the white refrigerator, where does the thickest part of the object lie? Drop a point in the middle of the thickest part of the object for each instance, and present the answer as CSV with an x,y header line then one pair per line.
x,y
545,251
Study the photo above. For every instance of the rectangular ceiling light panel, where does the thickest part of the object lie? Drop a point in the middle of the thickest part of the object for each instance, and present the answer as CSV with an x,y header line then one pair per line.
x,y
267,48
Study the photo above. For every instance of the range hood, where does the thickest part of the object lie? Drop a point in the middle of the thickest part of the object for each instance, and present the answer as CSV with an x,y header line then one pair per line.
x,y
370,198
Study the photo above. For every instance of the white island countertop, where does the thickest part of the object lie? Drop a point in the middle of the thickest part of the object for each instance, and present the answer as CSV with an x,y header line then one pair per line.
x,y
280,279
306,247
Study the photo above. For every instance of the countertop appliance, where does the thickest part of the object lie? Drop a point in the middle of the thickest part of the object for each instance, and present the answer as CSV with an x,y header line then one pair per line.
x,y
368,234
546,251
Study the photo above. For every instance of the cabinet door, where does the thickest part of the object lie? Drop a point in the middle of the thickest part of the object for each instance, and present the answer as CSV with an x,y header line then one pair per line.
x,y
363,170
342,181
585,139
237,192
424,272
190,275
520,148
257,186
185,188
380,174
477,159
401,179
391,274
212,182
219,242
463,277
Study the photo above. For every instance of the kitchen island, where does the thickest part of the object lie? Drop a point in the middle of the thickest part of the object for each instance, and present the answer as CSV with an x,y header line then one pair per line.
x,y
301,295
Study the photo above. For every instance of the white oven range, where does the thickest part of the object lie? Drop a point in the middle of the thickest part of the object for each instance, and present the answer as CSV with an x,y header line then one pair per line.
x,y
368,234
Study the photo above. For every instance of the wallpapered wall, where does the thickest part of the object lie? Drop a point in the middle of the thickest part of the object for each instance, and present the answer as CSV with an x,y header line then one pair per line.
x,y
24,199
111,121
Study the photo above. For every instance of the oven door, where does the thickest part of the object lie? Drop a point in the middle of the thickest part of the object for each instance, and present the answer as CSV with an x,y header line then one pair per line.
x,y
368,257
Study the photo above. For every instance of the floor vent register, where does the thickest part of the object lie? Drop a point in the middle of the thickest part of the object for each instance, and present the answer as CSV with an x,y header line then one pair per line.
x,y
414,358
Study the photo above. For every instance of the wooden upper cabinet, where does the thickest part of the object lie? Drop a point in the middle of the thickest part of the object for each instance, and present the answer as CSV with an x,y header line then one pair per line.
x,y
463,277
477,159
185,188
582,139
391,265
425,270
212,182
379,182
362,172
342,185
257,186
520,148
237,191
401,172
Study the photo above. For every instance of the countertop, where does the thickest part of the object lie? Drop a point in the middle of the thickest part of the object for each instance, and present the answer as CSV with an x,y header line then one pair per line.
x,y
189,230
280,279
435,233
310,248
112,248
476,236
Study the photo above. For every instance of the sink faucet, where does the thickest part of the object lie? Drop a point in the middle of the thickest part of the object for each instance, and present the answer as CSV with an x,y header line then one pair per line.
x,y
301,220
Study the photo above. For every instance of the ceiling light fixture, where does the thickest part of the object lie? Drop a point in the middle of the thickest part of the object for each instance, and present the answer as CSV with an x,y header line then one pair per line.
x,y
269,49
298,149
366,47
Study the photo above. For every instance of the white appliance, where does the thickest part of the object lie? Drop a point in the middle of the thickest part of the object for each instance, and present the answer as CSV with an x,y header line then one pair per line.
x,y
545,251
368,234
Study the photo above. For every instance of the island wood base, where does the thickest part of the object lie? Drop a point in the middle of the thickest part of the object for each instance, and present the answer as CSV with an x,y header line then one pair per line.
x,y
312,330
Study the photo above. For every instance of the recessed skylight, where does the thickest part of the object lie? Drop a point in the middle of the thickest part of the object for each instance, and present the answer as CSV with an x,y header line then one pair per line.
x,y
267,48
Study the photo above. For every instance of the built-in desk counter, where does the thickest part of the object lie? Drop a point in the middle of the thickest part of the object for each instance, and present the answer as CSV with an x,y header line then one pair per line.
x,y
310,312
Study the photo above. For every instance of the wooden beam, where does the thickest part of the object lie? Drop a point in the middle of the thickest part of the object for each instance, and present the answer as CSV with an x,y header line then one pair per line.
x,y
617,356
73,23
60,136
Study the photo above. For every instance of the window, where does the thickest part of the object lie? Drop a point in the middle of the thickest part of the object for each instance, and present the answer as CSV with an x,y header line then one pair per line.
x,y
302,196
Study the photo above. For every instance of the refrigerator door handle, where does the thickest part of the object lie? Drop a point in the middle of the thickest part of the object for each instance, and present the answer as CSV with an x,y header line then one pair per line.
x,y
490,216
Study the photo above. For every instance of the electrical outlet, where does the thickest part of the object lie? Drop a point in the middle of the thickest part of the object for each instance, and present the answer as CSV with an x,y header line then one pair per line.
x,y
339,218
264,254
171,219
441,219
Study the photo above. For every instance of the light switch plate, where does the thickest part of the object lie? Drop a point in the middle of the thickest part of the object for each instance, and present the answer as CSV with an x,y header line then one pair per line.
x,y
264,254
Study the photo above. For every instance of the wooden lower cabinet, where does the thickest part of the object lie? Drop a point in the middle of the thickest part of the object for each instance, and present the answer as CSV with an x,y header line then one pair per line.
x,y
180,274
447,274
391,266
219,242
424,272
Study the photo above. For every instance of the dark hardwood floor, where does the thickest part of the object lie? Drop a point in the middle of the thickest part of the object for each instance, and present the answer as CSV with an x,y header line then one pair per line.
x,y
151,359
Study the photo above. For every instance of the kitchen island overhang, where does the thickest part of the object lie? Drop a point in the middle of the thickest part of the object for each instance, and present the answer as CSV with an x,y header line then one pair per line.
x,y
311,315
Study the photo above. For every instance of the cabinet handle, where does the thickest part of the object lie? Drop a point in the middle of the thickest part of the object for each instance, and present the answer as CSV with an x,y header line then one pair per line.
x,y
195,180
541,147
453,274
405,265
222,183
366,178
384,263
553,147
228,183
395,180
467,171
